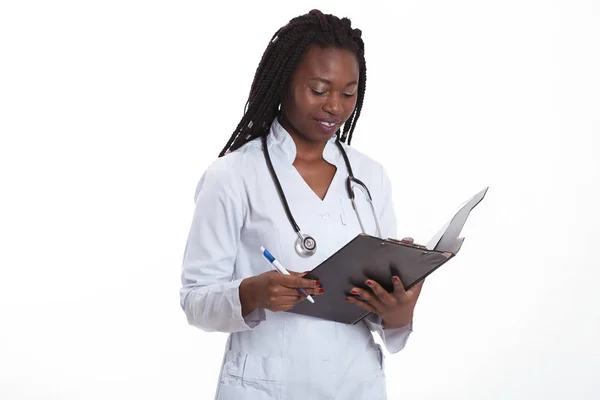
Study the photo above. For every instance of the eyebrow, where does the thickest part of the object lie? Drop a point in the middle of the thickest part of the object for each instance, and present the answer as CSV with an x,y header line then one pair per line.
x,y
329,82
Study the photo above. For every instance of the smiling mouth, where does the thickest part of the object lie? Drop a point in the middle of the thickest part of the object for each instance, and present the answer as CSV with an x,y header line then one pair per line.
x,y
327,123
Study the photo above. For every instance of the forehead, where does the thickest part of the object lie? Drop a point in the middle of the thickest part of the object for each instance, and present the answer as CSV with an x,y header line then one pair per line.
x,y
334,64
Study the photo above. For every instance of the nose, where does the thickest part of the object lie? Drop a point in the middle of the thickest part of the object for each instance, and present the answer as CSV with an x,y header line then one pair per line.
x,y
333,104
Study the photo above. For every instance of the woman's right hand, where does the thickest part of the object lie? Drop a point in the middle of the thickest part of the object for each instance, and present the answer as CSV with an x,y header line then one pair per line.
x,y
274,291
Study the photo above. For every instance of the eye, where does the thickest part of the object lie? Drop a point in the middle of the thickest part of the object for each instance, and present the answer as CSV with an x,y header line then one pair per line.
x,y
317,92
349,94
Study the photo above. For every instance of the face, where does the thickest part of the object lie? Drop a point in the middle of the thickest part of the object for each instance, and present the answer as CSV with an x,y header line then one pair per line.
x,y
322,94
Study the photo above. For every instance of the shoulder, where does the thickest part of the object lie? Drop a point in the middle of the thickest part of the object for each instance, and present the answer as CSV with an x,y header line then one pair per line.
x,y
363,164
369,171
238,161
227,174
244,156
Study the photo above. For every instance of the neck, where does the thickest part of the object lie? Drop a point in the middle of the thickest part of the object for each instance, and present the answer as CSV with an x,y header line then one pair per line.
x,y
306,150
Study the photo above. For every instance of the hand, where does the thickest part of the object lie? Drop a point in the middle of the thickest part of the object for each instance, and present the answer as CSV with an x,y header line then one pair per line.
x,y
396,308
275,291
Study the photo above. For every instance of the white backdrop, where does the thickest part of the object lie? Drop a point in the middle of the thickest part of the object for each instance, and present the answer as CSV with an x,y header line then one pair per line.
x,y
110,111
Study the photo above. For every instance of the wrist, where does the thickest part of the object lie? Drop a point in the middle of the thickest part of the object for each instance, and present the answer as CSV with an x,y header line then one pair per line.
x,y
247,296
393,323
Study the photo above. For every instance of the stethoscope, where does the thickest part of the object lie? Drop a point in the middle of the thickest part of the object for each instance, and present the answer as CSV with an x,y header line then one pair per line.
x,y
306,245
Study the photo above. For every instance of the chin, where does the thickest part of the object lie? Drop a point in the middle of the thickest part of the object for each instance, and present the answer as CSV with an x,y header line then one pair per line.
x,y
320,137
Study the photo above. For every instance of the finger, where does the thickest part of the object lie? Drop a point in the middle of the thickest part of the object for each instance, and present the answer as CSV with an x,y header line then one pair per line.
x,y
298,282
382,294
277,290
398,287
315,291
287,303
293,281
369,297
294,273
361,304
283,291
410,241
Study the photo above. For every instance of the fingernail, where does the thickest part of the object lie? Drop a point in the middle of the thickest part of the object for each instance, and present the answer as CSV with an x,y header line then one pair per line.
x,y
321,291
347,298
318,284
354,291
396,279
369,283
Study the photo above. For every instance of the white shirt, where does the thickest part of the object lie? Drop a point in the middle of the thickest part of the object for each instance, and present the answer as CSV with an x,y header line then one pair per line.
x,y
273,355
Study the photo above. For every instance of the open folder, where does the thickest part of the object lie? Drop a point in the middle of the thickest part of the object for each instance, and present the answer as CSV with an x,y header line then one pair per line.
x,y
368,257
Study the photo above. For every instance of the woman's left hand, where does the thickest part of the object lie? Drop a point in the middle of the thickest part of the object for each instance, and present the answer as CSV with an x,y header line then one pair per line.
x,y
396,308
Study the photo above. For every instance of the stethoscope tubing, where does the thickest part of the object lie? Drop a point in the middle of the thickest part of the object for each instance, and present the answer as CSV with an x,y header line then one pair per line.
x,y
351,183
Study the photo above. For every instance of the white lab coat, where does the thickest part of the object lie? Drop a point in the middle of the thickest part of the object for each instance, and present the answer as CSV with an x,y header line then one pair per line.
x,y
280,355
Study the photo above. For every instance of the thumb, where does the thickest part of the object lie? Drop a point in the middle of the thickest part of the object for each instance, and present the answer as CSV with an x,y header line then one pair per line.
x,y
417,288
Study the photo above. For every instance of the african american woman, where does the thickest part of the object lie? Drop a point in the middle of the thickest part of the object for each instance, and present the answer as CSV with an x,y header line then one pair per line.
x,y
285,167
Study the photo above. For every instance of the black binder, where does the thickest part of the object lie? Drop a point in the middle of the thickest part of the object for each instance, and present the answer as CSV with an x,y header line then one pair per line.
x,y
368,257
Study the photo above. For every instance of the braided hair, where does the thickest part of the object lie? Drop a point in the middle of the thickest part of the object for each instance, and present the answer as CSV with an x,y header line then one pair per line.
x,y
279,61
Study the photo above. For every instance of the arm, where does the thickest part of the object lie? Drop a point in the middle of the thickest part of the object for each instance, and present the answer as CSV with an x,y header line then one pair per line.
x,y
209,296
394,339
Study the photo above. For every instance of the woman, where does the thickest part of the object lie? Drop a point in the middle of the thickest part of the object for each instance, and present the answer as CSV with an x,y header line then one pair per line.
x,y
306,95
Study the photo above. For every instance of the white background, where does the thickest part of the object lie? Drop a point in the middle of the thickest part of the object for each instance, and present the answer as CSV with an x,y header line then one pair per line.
x,y
110,111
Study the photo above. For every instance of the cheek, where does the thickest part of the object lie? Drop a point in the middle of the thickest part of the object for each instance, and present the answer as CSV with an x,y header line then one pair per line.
x,y
349,105
307,104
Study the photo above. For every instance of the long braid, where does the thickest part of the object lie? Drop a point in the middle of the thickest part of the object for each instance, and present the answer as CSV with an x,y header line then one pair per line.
x,y
359,102
280,60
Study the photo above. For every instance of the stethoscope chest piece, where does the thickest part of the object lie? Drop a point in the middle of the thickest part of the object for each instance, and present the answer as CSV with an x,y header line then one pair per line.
x,y
305,245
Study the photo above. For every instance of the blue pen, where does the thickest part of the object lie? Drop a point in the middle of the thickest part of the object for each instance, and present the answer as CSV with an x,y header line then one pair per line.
x,y
282,270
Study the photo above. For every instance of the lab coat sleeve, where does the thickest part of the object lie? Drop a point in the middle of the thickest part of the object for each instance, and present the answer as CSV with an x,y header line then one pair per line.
x,y
393,339
209,295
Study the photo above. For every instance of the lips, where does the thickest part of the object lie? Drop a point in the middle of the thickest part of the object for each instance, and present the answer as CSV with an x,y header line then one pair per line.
x,y
328,121
327,125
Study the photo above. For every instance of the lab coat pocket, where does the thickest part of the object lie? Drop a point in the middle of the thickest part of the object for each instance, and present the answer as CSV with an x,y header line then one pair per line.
x,y
244,374
366,377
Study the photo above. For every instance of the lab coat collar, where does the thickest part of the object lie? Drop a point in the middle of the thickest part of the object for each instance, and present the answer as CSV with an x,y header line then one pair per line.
x,y
280,142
